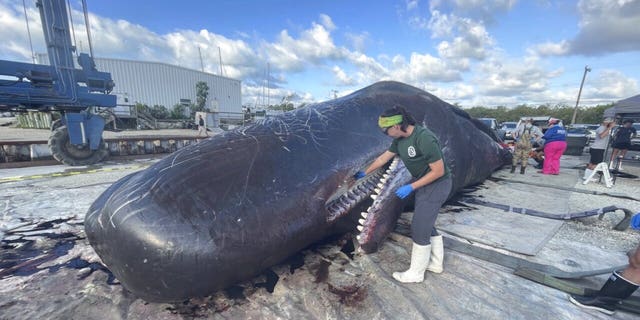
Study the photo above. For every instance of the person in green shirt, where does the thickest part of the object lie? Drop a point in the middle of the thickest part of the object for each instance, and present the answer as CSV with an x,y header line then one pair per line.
x,y
420,151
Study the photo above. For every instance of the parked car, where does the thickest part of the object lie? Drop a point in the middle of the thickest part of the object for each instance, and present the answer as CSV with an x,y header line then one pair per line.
x,y
492,123
591,127
509,127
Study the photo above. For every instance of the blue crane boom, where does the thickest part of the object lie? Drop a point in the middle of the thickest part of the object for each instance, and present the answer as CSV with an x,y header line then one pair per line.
x,y
61,87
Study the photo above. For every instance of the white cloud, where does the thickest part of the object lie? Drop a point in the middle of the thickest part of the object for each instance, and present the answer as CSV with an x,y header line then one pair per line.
x,y
605,27
463,40
14,35
424,67
610,85
326,21
342,77
441,25
315,45
259,96
358,40
514,83
469,38
501,76
459,92
243,35
551,48
485,11
412,4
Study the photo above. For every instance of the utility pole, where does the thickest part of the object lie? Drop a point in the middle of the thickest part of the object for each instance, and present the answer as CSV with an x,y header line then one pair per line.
x,y
201,64
221,65
575,110
335,94
268,75
262,96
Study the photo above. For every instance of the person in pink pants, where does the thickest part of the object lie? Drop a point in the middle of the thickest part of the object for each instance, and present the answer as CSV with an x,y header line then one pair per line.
x,y
555,143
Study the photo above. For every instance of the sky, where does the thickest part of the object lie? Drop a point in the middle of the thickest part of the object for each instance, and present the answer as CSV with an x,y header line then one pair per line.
x,y
466,52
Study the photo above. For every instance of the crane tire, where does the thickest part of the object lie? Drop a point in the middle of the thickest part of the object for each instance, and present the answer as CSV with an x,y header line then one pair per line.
x,y
71,155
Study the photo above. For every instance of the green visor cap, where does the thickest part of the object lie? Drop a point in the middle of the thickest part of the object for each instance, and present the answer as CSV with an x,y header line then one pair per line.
x,y
384,122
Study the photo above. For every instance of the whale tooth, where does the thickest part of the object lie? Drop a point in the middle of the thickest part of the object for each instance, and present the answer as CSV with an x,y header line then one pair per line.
x,y
383,180
380,185
364,214
386,176
360,228
358,237
374,196
361,221
377,190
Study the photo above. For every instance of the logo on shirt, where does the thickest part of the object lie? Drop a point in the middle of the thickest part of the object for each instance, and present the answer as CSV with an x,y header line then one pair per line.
x,y
411,151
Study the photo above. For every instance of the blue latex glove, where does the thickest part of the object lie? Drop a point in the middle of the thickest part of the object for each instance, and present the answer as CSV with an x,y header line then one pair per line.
x,y
359,175
404,191
635,221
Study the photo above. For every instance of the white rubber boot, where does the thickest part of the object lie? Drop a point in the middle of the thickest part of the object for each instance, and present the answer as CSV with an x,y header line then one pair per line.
x,y
587,174
419,261
437,255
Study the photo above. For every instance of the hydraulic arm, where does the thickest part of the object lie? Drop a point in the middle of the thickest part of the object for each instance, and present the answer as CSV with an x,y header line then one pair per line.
x,y
61,87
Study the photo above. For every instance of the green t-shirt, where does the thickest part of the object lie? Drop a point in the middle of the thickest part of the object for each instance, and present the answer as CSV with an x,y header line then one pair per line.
x,y
418,150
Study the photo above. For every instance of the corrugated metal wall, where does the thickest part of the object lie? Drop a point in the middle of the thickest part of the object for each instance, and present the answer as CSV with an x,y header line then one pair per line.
x,y
155,83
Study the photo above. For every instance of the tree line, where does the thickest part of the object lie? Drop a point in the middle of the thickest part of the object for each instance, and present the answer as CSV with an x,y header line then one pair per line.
x,y
584,115
565,113
178,112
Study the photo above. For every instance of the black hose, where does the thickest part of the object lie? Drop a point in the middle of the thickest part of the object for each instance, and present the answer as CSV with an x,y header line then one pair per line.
x,y
621,226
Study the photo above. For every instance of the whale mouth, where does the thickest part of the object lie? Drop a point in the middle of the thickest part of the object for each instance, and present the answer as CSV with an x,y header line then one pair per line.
x,y
380,218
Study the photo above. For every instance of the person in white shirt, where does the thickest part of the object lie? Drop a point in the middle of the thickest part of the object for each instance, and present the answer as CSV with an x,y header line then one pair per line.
x,y
599,145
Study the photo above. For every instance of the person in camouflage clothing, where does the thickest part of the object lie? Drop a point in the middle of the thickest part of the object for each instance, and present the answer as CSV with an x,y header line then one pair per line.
x,y
524,136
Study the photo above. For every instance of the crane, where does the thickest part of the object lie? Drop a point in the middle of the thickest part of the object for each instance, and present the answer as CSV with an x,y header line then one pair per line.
x,y
76,93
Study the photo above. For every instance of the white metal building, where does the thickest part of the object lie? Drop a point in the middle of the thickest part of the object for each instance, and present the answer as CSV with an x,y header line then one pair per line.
x,y
156,83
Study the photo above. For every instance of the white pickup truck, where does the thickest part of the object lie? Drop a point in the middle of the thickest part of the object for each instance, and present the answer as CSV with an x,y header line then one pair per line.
x,y
493,124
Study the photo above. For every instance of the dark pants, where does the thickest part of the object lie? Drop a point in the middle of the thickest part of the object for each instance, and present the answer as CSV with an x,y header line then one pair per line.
x,y
429,200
